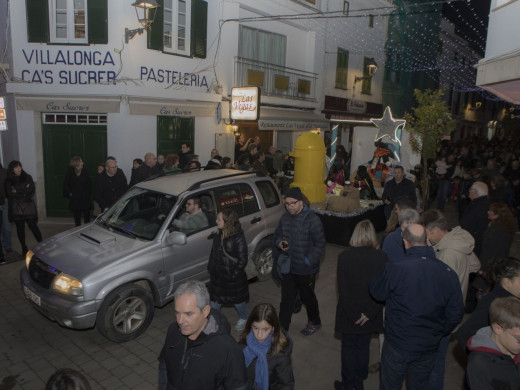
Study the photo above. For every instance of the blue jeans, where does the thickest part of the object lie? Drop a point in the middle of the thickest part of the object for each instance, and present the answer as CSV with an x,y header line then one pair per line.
x,y
6,228
241,308
437,375
396,365
354,359
443,192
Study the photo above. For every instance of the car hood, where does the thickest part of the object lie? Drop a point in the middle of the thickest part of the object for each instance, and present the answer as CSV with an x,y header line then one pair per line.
x,y
81,250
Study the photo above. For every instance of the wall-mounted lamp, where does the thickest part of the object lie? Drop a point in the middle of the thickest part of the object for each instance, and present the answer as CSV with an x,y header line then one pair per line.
x,y
372,69
235,130
145,11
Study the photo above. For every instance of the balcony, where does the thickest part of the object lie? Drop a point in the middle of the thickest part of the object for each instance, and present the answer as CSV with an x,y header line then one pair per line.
x,y
275,80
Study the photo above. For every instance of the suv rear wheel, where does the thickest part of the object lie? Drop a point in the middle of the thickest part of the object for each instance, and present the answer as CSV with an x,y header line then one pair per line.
x,y
263,258
125,313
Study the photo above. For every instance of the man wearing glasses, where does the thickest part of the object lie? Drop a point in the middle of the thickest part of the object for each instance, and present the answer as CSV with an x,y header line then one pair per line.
x,y
300,236
192,219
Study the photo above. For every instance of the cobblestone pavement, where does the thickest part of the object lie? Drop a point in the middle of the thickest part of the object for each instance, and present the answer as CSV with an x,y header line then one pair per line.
x,y
32,347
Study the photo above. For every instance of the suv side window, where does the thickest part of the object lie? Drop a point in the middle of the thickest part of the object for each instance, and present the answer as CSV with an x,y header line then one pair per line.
x,y
190,221
269,193
239,197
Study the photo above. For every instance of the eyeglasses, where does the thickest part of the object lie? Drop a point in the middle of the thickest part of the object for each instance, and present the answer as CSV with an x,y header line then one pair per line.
x,y
291,203
189,204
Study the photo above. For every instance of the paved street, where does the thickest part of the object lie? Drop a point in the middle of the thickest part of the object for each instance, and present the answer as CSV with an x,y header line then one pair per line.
x,y
32,347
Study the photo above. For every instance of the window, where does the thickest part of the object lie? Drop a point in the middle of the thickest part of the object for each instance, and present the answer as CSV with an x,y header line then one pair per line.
x,y
239,197
346,6
262,46
342,69
177,24
67,21
269,193
366,86
180,27
371,21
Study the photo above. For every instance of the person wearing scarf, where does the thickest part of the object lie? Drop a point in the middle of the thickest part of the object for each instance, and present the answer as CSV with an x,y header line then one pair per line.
x,y
267,351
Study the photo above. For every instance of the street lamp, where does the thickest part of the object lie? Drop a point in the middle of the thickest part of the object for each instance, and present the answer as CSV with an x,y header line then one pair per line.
x,y
372,69
145,11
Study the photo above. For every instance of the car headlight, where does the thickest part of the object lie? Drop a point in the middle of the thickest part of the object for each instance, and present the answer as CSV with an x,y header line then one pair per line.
x,y
68,285
28,258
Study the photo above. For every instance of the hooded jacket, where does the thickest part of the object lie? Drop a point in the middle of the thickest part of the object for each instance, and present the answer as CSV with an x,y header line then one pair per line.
x,y
306,238
213,361
456,250
489,368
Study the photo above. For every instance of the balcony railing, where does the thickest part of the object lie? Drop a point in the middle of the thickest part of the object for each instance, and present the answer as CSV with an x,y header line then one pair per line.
x,y
275,80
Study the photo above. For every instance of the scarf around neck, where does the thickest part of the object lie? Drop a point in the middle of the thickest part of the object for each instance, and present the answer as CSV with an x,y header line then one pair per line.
x,y
253,350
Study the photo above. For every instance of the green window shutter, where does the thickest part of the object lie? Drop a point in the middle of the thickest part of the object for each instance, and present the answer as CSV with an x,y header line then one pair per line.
x,y
199,28
97,14
155,35
342,69
37,20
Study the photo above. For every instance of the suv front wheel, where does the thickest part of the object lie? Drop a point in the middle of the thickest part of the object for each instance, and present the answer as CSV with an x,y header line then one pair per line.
x,y
125,313
263,259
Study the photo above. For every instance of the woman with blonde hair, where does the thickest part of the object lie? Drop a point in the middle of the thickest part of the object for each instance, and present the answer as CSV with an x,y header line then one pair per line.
x,y
226,266
77,186
357,314
267,351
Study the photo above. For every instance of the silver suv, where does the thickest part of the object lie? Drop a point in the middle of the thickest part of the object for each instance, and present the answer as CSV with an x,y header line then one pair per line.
x,y
113,272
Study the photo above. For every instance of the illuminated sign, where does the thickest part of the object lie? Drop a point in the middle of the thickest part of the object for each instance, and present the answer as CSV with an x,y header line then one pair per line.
x,y
245,103
3,115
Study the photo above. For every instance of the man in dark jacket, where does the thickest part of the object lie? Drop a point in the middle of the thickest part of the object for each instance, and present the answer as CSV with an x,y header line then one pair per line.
x,y
3,210
147,169
423,304
109,185
475,218
397,188
199,352
300,236
494,357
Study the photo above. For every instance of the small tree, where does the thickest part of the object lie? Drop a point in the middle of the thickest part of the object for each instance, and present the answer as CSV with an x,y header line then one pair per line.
x,y
429,122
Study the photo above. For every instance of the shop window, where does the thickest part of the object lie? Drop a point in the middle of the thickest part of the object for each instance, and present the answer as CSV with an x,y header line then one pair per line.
x,y
180,27
342,69
255,78
262,46
67,21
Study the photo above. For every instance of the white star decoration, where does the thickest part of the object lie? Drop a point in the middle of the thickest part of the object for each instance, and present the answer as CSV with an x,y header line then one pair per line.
x,y
387,126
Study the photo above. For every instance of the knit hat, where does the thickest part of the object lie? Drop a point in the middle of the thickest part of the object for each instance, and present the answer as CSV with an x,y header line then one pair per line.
x,y
294,193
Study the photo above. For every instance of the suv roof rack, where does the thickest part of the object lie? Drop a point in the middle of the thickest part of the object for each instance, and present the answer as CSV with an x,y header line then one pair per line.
x,y
197,185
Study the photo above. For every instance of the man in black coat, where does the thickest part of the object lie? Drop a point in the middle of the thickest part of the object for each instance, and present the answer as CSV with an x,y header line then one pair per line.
x,y
147,169
110,185
300,236
475,218
398,187
199,352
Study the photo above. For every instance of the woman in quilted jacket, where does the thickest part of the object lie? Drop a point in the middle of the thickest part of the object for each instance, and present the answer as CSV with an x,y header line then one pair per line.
x,y
226,266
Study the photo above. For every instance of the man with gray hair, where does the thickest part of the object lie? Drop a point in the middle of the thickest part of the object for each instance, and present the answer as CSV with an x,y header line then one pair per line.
x,y
423,304
475,218
393,244
455,248
199,352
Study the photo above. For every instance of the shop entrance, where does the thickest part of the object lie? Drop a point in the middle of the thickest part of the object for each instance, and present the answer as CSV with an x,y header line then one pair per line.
x,y
65,136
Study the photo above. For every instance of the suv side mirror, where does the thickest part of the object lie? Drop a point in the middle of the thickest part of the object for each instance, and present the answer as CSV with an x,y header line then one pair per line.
x,y
176,238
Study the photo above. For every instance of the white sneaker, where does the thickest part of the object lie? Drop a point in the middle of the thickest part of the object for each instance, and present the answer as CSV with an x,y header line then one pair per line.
x,y
240,325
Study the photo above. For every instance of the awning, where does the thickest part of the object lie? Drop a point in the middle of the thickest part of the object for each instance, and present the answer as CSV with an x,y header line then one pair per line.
x,y
501,76
68,103
291,120
146,106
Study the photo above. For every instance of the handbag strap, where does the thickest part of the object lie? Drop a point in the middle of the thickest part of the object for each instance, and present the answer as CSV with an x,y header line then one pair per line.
x,y
234,259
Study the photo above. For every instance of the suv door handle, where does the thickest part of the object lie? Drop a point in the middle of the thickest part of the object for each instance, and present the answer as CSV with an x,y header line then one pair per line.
x,y
255,220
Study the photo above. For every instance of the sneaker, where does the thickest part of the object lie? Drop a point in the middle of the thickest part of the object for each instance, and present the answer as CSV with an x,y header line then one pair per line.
x,y
240,325
310,329
3,261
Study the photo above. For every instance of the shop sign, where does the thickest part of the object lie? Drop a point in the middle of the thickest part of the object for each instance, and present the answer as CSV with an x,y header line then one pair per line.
x,y
3,115
245,103
356,106
269,124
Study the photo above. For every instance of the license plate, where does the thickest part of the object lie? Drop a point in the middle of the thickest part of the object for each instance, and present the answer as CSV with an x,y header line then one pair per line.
x,y
32,296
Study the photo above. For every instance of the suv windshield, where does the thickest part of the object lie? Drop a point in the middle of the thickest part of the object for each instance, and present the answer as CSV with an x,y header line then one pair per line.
x,y
139,213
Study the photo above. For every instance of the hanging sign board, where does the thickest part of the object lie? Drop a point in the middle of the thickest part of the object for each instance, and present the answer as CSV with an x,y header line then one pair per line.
x,y
3,115
245,103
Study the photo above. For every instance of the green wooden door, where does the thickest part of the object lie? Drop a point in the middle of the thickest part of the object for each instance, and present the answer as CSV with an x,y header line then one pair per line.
x,y
60,143
172,132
